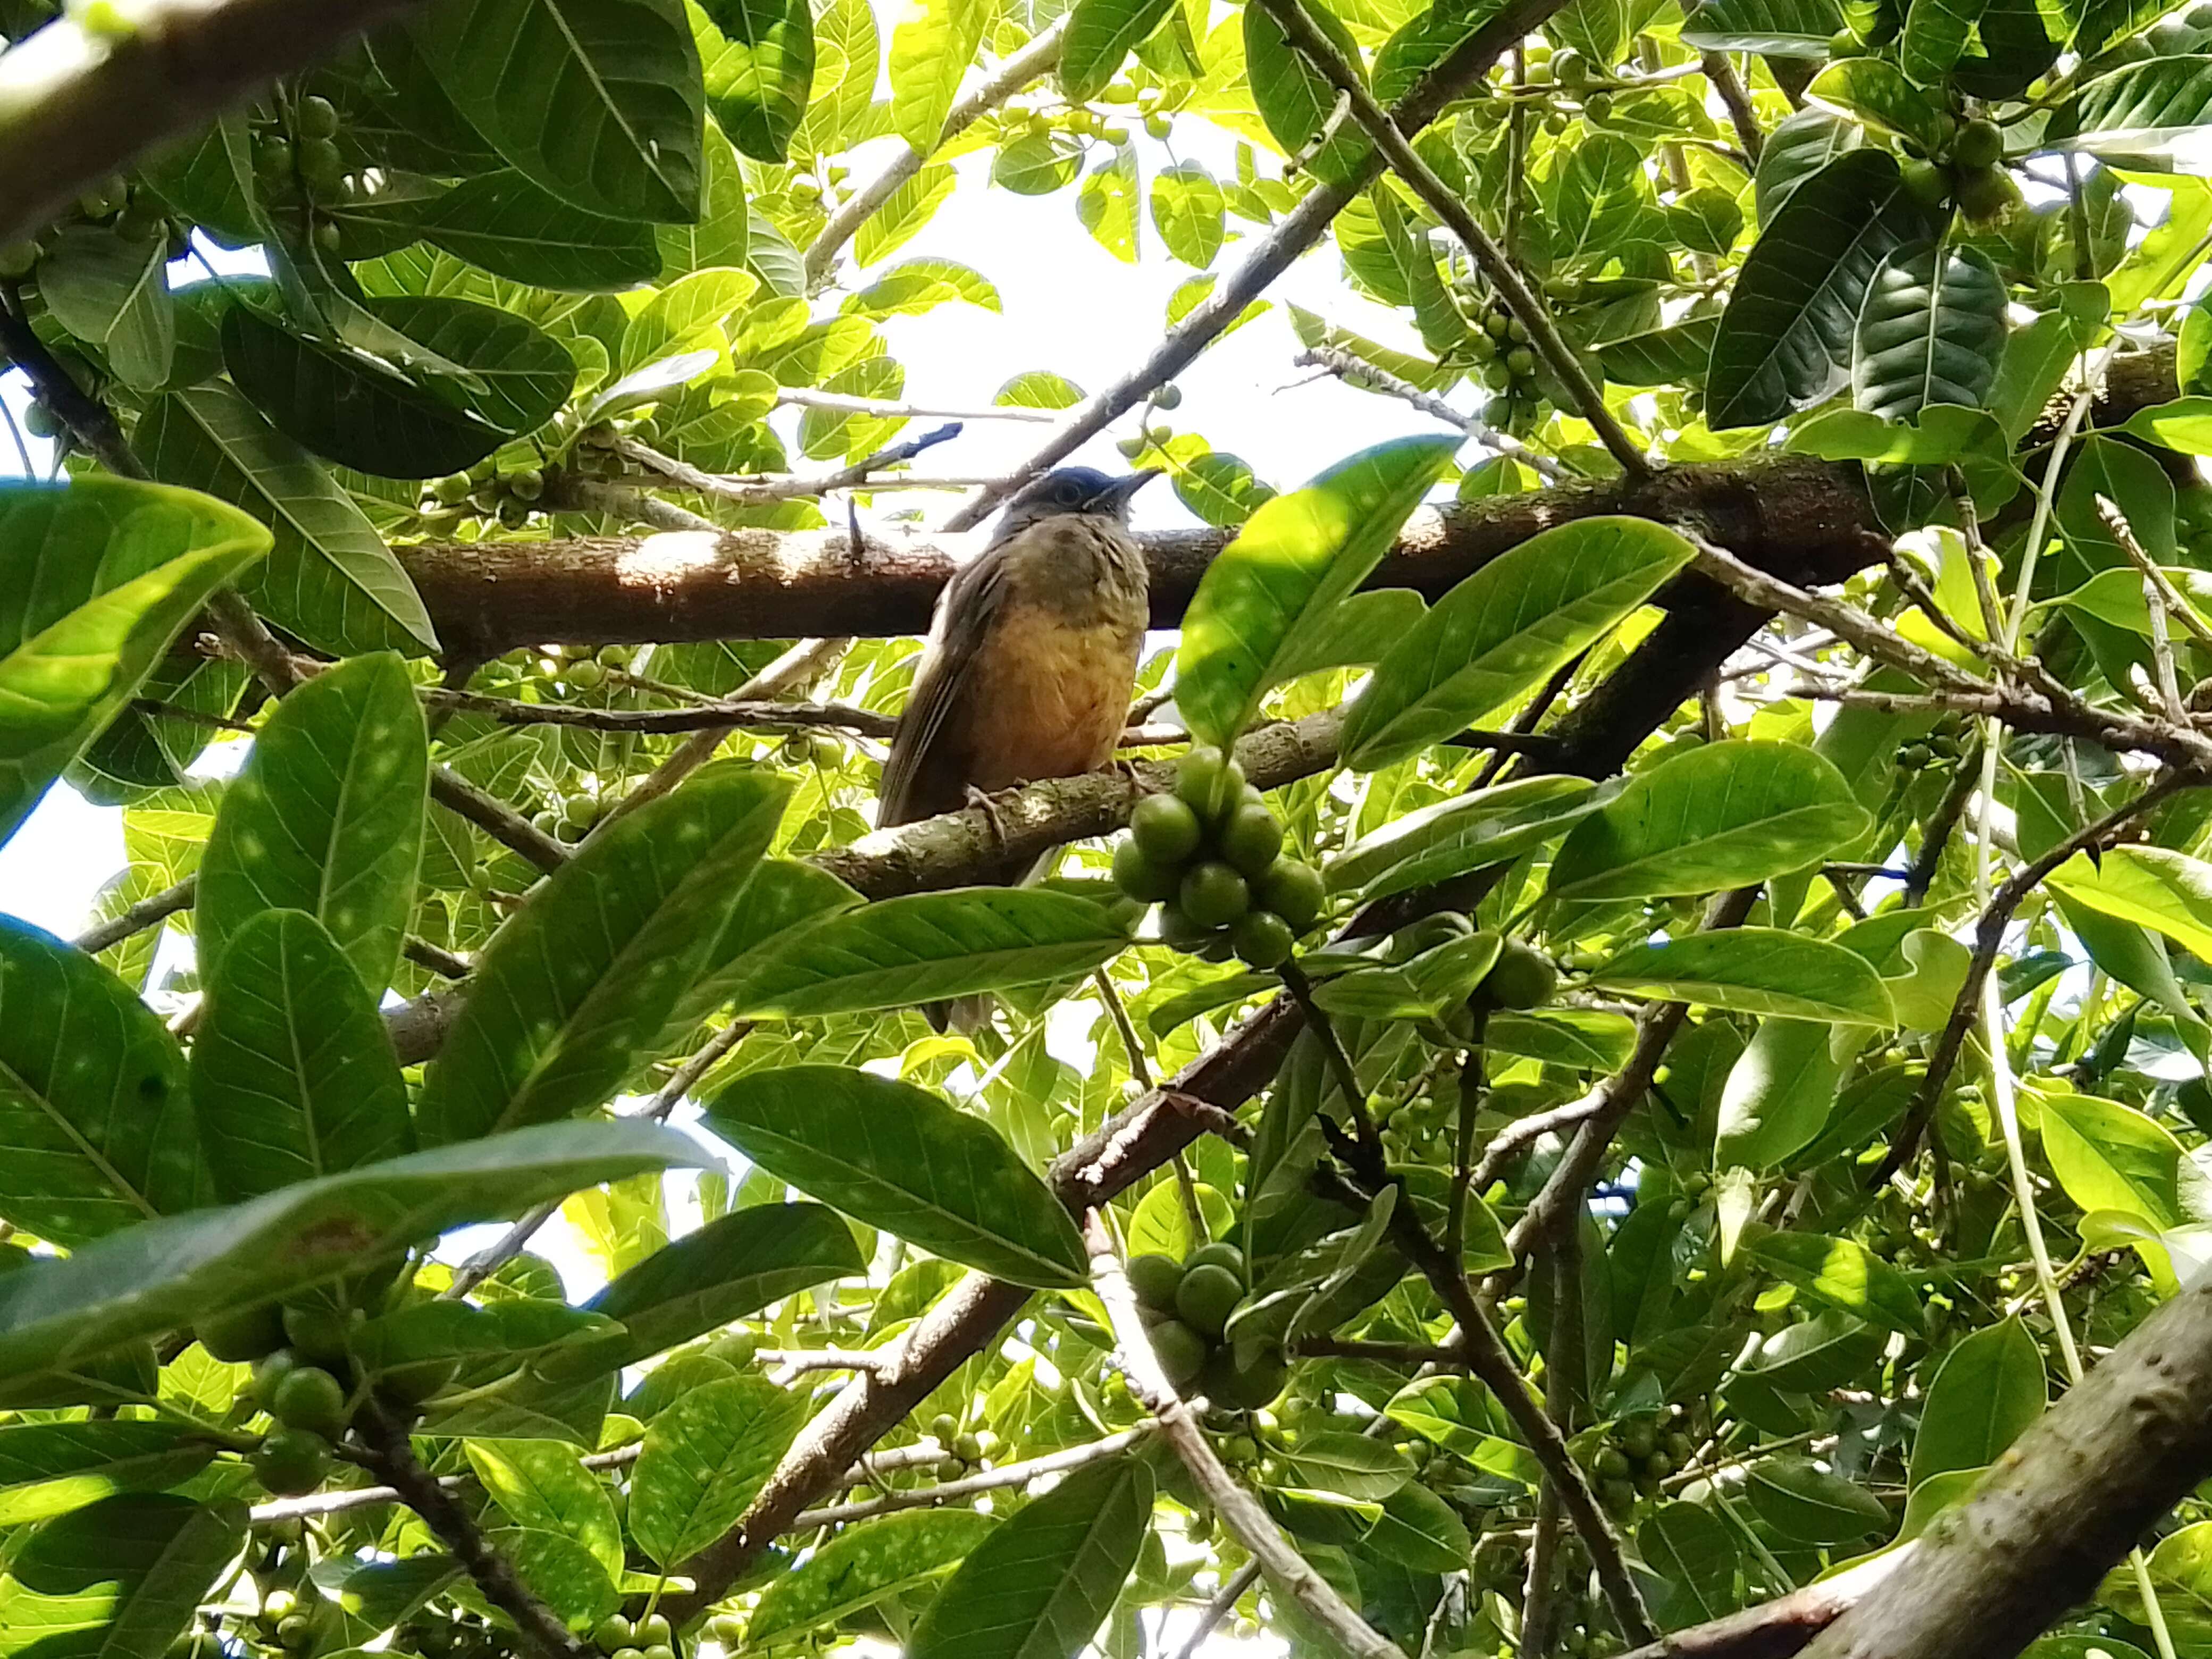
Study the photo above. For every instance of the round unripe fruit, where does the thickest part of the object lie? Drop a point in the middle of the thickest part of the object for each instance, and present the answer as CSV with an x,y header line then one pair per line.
x,y
1131,447
316,118
1209,783
1979,144
40,422
1496,325
1155,1279
660,1650
329,238
1262,939
292,1461
1598,106
1213,894
1141,877
1986,194
1207,1297
1521,362
1181,1351
268,1376
1222,1253
18,260
319,1334
453,489
612,1633
1611,1464
1930,183
629,1653
1178,932
296,1632
273,158
1293,891
1252,840
1638,1437
1166,827
309,1397
653,1630
246,1334
1843,44
321,165
1521,978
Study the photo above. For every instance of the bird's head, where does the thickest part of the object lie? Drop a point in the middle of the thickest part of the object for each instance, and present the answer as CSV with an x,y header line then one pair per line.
x,y
1078,489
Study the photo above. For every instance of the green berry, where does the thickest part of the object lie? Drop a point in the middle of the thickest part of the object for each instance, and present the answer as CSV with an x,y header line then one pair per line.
x,y
319,1334
1497,322
1155,1279
243,1334
309,1397
610,1633
1142,877
1293,891
18,260
316,118
527,485
292,1461
1213,894
1166,828
652,1631
1262,939
321,165
268,1376
272,159
1929,183
453,489
1251,840
1209,783
1168,397
1207,1297
1221,1254
1521,362
1132,446
1611,1464
1521,978
1979,144
1181,1351
1179,932
329,238
1158,125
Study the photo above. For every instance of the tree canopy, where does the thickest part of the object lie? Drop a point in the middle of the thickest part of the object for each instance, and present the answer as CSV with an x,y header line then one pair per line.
x,y
1620,1065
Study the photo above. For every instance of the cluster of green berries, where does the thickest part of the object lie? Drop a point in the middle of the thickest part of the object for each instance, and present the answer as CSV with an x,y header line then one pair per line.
x,y
463,1637
1936,749
304,1380
1210,854
1186,1306
134,214
648,1637
1967,168
510,496
1636,1454
1150,434
1500,343
302,159
964,1449
807,188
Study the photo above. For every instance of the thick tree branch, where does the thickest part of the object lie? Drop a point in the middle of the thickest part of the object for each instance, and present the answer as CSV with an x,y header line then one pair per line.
x,y
76,108
1779,1628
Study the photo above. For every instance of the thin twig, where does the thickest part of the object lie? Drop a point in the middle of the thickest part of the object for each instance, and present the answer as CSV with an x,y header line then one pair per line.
x,y
972,1486
391,1458
718,714
1515,293
806,397
1222,1604
148,912
755,492
797,1360
1349,366
1239,1510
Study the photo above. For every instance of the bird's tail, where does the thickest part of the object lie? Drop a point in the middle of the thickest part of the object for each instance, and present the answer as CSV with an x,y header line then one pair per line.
x,y
966,1015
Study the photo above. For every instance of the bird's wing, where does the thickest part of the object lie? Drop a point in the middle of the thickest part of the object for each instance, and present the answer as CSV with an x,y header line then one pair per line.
x,y
965,614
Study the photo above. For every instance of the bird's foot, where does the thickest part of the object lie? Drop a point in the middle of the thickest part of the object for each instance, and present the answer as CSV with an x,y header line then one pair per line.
x,y
983,804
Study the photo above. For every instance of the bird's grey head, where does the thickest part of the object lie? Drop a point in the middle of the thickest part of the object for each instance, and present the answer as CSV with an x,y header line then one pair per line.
x,y
1072,490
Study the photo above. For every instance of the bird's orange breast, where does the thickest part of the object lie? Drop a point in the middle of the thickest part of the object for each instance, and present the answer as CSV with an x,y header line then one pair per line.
x,y
1050,696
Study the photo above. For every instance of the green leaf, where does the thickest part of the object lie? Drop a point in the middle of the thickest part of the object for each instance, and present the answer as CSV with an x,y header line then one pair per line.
x,y
1464,1418
2156,108
1797,149
899,1157
1780,28
1038,388
728,1270
94,1104
541,1487
1039,1589
2110,1156
581,982
1935,37
1784,342
1419,1530
1294,99
1660,356
1586,1040
292,1072
2165,890
1987,1390
1754,970
1809,1504
327,817
1188,206
507,224
917,286
1876,92
50,1469
1037,163
599,102
1100,34
904,212
122,1576
2185,424
758,56
1825,1352
1842,1274
524,372
347,406
1781,1091
1346,1465
926,947
112,291
1504,629
1930,331
1106,205
96,580
686,315
330,579
862,1564
932,46
162,1275
1724,815
705,1459
1467,832
1696,1556
1284,579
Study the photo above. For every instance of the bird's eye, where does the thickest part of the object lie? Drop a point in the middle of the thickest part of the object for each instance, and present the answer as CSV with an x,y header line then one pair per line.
x,y
1070,494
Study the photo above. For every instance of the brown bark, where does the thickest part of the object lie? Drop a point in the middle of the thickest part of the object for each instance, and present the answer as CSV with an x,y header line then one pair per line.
x,y
74,118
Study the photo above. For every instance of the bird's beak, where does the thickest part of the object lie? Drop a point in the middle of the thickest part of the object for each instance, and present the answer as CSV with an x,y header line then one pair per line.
x,y
1122,490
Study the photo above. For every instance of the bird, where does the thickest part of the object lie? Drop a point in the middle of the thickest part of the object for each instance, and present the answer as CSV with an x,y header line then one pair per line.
x,y
1031,656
